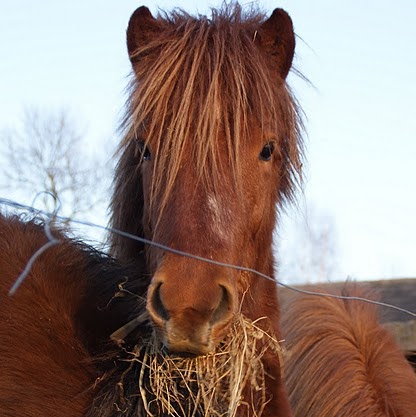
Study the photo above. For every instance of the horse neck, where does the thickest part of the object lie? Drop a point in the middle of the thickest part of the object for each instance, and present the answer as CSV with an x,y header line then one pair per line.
x,y
127,208
259,294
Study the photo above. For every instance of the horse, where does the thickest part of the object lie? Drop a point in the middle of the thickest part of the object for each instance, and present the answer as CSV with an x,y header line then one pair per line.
x,y
341,362
43,367
55,324
212,150
212,147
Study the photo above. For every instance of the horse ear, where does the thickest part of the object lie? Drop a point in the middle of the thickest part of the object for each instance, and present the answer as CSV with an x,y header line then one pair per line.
x,y
142,26
277,39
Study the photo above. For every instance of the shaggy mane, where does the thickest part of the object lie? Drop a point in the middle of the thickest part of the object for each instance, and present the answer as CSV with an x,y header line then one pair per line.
x,y
342,362
202,78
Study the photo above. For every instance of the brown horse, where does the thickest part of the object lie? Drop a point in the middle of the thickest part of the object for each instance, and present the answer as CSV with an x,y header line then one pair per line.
x,y
212,147
55,323
42,369
342,362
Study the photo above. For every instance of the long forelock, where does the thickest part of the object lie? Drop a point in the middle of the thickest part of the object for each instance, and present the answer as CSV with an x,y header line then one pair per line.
x,y
202,78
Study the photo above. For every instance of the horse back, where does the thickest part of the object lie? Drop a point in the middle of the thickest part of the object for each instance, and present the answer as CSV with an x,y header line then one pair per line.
x,y
44,367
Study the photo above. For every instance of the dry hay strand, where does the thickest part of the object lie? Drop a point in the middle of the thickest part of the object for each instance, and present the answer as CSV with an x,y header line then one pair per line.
x,y
211,385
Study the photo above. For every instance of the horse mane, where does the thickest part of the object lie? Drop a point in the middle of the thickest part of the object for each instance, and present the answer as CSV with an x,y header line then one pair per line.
x,y
342,362
195,80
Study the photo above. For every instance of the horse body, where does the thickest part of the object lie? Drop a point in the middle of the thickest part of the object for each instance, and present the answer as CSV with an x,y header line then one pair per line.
x,y
342,363
43,366
55,330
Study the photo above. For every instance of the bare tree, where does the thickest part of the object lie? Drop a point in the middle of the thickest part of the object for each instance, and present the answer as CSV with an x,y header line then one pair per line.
x,y
46,154
310,253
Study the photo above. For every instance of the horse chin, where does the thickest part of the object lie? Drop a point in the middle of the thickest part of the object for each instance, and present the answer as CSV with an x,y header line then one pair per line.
x,y
186,349
201,341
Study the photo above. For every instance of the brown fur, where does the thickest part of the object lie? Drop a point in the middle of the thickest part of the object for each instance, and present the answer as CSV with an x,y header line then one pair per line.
x,y
342,363
43,366
207,95
59,321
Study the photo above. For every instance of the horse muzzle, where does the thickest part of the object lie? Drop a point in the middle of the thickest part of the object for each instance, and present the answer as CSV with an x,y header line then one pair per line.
x,y
193,317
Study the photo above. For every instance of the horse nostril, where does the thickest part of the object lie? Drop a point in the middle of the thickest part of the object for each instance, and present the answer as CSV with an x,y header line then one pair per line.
x,y
156,305
224,307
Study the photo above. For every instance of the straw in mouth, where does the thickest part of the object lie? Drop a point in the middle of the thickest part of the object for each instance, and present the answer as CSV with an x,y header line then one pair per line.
x,y
217,384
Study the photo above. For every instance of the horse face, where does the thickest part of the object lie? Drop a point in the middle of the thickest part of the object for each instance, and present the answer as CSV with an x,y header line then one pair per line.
x,y
192,302
212,168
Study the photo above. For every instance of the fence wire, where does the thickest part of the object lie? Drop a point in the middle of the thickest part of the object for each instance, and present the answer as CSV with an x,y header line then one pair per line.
x,y
52,241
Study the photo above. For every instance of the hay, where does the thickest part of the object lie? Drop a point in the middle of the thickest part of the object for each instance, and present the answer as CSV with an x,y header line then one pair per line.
x,y
211,385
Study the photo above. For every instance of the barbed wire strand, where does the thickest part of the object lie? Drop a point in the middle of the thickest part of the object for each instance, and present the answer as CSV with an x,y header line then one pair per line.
x,y
53,241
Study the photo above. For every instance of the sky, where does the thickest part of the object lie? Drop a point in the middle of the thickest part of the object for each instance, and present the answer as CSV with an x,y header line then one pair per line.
x,y
359,58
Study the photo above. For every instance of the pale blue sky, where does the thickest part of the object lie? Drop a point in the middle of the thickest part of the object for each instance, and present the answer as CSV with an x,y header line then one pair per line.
x,y
361,145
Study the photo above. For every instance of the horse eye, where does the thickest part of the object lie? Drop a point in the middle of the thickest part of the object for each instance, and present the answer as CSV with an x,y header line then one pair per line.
x,y
144,151
267,152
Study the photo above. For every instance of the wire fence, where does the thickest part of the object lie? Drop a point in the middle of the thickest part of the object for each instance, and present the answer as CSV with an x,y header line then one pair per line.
x,y
52,241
